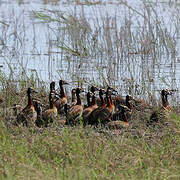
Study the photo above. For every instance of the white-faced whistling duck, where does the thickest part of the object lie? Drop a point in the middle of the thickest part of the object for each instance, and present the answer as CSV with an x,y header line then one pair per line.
x,y
103,115
129,103
106,113
72,103
73,96
103,103
165,103
93,103
63,99
52,90
28,115
163,112
92,116
75,112
118,100
111,106
120,119
89,107
50,114
122,116
38,107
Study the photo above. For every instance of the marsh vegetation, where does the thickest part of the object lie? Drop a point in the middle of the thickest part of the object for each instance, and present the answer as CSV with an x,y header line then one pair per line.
x,y
133,47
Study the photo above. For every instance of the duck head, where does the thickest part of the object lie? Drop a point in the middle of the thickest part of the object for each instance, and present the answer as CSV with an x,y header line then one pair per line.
x,y
52,85
93,89
62,82
31,90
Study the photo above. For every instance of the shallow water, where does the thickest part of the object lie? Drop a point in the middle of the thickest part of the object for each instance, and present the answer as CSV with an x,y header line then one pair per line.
x,y
27,48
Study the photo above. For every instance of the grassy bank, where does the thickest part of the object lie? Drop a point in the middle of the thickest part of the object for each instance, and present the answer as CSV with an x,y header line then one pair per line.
x,y
77,153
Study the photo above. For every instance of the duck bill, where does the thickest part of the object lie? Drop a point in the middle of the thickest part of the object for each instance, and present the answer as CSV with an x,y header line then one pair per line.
x,y
65,83
33,91
112,89
170,92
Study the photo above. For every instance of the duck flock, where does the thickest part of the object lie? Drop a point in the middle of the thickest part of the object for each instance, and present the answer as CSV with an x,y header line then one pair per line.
x,y
105,109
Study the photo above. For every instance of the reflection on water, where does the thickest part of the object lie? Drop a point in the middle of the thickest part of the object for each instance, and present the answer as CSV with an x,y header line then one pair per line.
x,y
27,48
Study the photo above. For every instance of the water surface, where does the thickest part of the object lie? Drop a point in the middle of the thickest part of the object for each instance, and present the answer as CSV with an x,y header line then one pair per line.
x,y
28,49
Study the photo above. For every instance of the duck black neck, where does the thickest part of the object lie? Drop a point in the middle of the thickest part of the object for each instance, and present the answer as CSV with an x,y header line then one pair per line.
x,y
78,99
128,104
93,100
88,99
102,99
62,94
30,102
